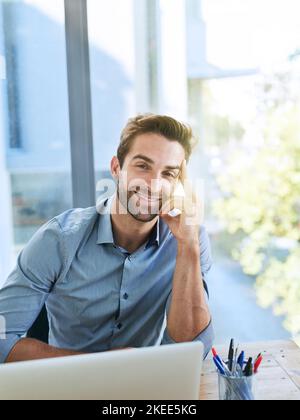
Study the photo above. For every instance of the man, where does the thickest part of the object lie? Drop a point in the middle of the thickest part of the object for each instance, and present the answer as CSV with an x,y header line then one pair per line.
x,y
108,274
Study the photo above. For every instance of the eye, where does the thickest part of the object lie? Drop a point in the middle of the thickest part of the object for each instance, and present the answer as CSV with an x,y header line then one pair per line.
x,y
142,166
170,175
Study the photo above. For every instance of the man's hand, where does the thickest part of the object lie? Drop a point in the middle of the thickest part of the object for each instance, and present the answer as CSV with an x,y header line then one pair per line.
x,y
184,227
189,313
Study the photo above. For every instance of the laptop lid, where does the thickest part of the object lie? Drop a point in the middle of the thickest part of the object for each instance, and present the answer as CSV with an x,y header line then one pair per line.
x,y
169,372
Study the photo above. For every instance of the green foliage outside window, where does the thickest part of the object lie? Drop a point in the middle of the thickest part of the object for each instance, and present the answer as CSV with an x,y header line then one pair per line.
x,y
260,186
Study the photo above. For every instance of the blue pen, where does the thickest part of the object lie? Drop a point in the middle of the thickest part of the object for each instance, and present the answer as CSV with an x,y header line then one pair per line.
x,y
219,360
241,360
223,364
219,366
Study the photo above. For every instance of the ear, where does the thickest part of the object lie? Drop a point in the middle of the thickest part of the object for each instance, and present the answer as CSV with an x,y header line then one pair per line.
x,y
115,168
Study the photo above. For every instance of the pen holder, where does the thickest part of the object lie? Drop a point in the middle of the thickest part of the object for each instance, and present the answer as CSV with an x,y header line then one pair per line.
x,y
237,388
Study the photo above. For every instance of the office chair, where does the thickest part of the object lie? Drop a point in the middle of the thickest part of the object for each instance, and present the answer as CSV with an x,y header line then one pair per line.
x,y
40,328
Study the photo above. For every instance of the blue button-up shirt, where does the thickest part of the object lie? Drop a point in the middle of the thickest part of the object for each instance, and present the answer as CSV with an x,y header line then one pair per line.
x,y
98,296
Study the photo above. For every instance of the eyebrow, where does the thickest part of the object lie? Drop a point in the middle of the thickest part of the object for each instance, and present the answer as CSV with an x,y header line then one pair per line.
x,y
150,161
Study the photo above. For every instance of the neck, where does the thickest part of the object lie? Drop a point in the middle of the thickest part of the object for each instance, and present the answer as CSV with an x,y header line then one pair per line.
x,y
128,232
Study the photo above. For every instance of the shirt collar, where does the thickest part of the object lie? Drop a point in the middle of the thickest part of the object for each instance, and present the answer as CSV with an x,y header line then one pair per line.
x,y
105,231
155,235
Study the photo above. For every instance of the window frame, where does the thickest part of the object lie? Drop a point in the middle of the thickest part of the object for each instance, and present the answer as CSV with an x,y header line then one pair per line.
x,y
80,104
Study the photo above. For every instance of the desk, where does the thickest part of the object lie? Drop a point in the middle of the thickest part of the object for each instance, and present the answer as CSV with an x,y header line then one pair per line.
x,y
279,375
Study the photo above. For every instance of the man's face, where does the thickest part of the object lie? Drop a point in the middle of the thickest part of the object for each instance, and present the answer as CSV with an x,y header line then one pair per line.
x,y
149,175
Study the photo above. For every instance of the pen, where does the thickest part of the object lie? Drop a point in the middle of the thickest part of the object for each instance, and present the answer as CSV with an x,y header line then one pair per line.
x,y
231,355
218,358
257,363
258,357
249,368
219,366
235,361
241,360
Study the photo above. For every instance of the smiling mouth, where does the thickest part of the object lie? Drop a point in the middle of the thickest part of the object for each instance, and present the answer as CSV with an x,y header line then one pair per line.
x,y
146,197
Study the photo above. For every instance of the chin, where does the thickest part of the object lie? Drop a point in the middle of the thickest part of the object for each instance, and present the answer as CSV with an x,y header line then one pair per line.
x,y
144,218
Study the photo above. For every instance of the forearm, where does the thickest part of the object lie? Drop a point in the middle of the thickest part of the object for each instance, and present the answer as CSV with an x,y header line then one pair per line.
x,y
189,313
29,349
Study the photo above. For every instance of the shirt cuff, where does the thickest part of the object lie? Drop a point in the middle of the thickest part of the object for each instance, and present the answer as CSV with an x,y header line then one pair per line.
x,y
6,346
206,337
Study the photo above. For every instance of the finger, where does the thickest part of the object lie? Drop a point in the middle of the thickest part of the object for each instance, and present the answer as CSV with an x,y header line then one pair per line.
x,y
189,208
183,172
167,218
194,197
187,185
173,203
170,207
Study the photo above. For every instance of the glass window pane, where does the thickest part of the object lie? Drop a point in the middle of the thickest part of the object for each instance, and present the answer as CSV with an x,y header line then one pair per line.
x,y
243,104
34,124
112,55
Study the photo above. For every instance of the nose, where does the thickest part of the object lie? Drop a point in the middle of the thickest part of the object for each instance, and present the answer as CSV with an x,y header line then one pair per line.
x,y
151,186
156,186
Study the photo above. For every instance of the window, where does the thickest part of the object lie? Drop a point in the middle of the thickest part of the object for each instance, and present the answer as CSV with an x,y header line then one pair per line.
x,y
34,146
10,43
245,108
112,57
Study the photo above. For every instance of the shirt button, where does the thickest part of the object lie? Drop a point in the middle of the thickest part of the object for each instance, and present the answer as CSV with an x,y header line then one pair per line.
x,y
125,296
119,326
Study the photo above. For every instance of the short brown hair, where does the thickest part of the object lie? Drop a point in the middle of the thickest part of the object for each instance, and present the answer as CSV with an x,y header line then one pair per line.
x,y
163,125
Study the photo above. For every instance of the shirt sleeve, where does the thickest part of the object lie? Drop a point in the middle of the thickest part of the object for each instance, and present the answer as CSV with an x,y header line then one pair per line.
x,y
28,286
206,336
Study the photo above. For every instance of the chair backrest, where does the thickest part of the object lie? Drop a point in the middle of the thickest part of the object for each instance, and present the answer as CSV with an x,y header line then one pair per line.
x,y
40,328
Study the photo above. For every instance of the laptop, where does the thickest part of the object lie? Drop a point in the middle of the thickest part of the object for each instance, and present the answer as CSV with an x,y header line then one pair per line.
x,y
168,372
